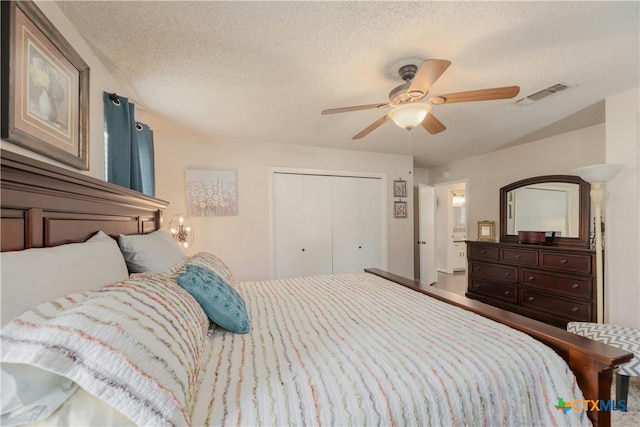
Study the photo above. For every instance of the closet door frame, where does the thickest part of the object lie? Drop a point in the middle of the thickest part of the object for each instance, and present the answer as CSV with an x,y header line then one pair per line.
x,y
324,172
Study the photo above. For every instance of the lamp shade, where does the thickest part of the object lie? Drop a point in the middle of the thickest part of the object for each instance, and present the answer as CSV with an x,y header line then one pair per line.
x,y
410,115
598,173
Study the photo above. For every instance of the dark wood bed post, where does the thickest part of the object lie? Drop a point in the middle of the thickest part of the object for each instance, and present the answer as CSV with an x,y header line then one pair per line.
x,y
592,362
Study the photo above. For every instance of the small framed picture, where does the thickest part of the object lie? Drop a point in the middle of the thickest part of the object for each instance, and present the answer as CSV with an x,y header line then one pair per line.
x,y
400,209
400,188
486,230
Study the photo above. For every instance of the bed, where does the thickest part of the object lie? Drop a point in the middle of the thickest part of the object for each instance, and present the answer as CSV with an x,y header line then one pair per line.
x,y
358,349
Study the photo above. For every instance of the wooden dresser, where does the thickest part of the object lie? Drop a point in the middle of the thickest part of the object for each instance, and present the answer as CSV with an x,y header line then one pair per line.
x,y
553,284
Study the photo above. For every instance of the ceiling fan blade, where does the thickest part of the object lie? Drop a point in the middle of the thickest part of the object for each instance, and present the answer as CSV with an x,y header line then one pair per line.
x,y
477,95
430,70
432,125
354,108
373,126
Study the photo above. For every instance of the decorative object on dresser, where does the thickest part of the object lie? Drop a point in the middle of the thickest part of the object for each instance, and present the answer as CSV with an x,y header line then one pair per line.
x,y
486,230
597,175
536,237
554,283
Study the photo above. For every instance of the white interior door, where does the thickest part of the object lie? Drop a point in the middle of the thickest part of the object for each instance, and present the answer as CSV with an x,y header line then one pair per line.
x,y
426,208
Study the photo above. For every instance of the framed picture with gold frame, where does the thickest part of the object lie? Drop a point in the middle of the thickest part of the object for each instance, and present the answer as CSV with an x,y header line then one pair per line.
x,y
486,230
45,87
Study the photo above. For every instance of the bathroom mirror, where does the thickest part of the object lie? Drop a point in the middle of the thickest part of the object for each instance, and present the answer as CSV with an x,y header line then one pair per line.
x,y
558,203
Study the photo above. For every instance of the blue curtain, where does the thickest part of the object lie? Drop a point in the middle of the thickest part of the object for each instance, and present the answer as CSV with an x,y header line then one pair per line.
x,y
145,154
129,146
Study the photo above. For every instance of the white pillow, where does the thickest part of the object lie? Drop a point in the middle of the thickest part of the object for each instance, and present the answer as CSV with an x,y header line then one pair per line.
x,y
154,252
33,276
138,345
30,394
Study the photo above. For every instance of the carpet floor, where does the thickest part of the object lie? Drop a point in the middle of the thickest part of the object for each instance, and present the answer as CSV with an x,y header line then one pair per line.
x,y
631,418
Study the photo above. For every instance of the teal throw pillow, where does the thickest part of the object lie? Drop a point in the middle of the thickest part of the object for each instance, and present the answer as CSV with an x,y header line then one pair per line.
x,y
223,305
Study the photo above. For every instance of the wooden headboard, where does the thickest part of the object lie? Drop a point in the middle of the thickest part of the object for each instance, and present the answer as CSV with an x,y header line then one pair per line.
x,y
44,205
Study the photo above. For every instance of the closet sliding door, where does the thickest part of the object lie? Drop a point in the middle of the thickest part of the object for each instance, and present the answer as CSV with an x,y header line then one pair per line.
x,y
345,224
302,225
370,206
326,224
357,224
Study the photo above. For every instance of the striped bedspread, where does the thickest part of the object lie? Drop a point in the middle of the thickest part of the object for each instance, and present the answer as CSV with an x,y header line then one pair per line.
x,y
354,349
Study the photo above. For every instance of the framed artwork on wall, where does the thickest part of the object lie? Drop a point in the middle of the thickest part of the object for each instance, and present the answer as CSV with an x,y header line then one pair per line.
x,y
399,188
486,230
211,193
45,87
400,209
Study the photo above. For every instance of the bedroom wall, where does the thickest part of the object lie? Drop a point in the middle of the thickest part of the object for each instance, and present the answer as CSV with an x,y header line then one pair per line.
x,y
243,241
100,81
489,172
622,211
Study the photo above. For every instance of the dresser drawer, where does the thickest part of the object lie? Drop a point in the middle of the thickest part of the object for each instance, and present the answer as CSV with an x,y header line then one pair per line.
x,y
571,310
503,273
570,286
568,262
504,292
483,252
518,256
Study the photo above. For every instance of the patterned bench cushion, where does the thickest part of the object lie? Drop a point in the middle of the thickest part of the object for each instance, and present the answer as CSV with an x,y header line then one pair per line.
x,y
617,336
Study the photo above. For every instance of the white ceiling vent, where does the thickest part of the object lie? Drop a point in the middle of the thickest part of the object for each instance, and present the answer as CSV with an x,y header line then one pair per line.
x,y
530,99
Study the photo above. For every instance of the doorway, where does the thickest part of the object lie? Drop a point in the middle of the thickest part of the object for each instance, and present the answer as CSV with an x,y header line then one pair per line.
x,y
451,215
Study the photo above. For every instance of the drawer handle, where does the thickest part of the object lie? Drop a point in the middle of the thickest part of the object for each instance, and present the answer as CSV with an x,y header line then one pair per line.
x,y
532,278
483,252
575,286
531,298
477,269
563,261
477,286
507,274
507,292
518,256
575,309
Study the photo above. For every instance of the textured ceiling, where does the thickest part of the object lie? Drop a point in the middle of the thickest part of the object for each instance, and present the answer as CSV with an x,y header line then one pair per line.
x,y
263,71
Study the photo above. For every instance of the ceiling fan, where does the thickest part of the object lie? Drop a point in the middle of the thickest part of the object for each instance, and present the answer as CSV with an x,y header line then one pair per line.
x,y
407,110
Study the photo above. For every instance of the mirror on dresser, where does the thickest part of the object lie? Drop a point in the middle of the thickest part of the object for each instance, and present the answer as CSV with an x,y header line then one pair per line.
x,y
551,203
553,282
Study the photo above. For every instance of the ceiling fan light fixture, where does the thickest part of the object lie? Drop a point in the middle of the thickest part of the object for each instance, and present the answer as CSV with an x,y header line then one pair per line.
x,y
410,115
